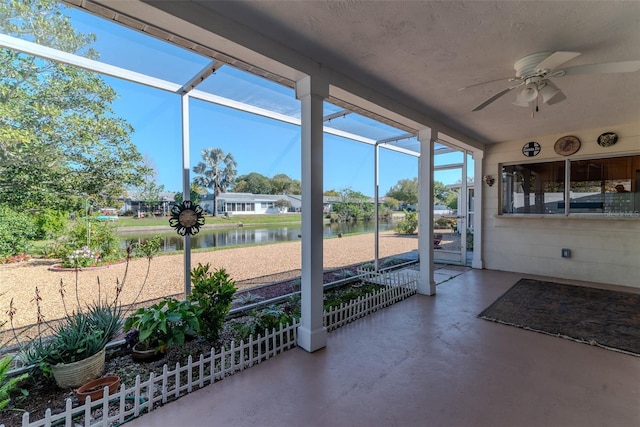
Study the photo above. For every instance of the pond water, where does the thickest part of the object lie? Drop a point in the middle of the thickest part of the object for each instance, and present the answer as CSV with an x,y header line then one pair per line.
x,y
219,237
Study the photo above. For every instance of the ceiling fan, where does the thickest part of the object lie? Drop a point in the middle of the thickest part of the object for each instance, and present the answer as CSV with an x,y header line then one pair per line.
x,y
533,74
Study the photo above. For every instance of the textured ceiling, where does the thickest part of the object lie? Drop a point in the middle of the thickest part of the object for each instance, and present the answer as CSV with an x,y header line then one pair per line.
x,y
419,53
422,52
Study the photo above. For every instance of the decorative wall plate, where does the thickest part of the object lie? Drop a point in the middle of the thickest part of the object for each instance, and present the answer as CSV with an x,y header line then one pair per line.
x,y
607,139
531,149
567,145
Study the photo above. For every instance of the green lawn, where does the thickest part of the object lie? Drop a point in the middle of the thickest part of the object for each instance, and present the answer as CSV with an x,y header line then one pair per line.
x,y
235,219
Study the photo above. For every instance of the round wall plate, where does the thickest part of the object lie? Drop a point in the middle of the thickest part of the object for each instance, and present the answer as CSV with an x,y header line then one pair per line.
x,y
531,149
567,145
607,139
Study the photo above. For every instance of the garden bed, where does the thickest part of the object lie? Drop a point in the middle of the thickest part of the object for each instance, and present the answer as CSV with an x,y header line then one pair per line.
x,y
44,394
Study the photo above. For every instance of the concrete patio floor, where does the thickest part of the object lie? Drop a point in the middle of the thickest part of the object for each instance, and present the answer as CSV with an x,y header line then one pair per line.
x,y
426,361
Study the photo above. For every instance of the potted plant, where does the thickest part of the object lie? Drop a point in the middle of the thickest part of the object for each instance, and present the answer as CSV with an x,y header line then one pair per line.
x,y
162,325
75,353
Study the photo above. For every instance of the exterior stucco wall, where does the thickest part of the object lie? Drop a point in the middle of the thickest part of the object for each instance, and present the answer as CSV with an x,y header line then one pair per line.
x,y
603,249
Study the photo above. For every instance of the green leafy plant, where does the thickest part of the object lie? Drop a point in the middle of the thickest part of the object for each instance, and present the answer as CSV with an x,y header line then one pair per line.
x,y
8,385
266,319
368,266
82,334
213,290
389,262
164,324
248,298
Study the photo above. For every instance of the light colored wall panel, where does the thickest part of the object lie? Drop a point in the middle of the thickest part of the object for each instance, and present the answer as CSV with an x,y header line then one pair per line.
x,y
604,249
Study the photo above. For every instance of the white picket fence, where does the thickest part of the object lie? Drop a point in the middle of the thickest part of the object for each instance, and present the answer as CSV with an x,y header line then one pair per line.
x,y
399,286
145,396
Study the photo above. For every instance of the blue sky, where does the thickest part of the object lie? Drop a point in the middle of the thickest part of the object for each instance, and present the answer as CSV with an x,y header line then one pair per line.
x,y
258,144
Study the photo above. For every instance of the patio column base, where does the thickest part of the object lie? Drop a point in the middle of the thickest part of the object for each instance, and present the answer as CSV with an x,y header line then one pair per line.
x,y
312,340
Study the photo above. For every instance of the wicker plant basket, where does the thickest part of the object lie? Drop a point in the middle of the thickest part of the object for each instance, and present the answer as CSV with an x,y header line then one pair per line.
x,y
78,373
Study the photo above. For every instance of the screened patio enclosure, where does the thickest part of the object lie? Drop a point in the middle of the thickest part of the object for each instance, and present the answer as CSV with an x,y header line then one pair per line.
x,y
181,84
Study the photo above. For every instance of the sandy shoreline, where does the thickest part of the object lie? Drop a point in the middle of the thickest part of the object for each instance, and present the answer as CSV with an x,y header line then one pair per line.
x,y
18,282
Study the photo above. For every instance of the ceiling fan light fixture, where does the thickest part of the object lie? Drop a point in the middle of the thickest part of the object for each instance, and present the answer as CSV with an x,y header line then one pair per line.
x,y
521,103
527,94
548,91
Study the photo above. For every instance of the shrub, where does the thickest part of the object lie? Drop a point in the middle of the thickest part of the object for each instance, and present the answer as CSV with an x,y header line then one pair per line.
x,y
96,236
469,239
148,248
408,224
16,230
50,224
213,291
442,223
266,319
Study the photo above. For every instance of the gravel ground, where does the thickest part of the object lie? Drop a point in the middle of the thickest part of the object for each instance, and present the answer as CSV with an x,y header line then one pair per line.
x,y
18,282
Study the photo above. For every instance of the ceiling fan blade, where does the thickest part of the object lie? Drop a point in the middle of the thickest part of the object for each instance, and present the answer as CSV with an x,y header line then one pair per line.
x,y
556,59
494,97
609,67
511,79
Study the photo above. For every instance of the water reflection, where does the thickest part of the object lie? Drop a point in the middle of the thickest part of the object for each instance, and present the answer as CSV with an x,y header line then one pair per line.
x,y
220,237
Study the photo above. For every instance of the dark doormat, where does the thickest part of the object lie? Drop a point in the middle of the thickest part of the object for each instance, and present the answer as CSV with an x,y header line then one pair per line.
x,y
609,319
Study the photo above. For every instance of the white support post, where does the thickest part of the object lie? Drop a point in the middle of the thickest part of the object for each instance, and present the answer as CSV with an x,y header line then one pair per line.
x,y
312,92
376,199
478,169
426,282
186,188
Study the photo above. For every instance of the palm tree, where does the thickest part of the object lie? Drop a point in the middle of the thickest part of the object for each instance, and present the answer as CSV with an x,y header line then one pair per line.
x,y
217,171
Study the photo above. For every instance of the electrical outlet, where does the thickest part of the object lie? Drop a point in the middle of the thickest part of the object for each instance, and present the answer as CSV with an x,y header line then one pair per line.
x,y
566,253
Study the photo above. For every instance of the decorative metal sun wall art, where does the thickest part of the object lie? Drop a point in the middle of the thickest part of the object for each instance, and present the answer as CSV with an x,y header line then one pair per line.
x,y
187,218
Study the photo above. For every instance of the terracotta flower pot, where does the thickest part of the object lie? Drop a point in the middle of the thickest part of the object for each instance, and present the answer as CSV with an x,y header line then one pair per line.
x,y
95,388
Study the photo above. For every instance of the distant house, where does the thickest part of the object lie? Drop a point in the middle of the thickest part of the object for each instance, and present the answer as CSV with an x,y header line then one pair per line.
x,y
132,203
249,204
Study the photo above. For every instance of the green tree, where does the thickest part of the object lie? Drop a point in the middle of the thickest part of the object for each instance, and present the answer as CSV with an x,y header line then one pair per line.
x,y
149,191
391,203
217,172
254,183
282,204
196,193
283,184
331,193
405,191
353,206
59,137
441,194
